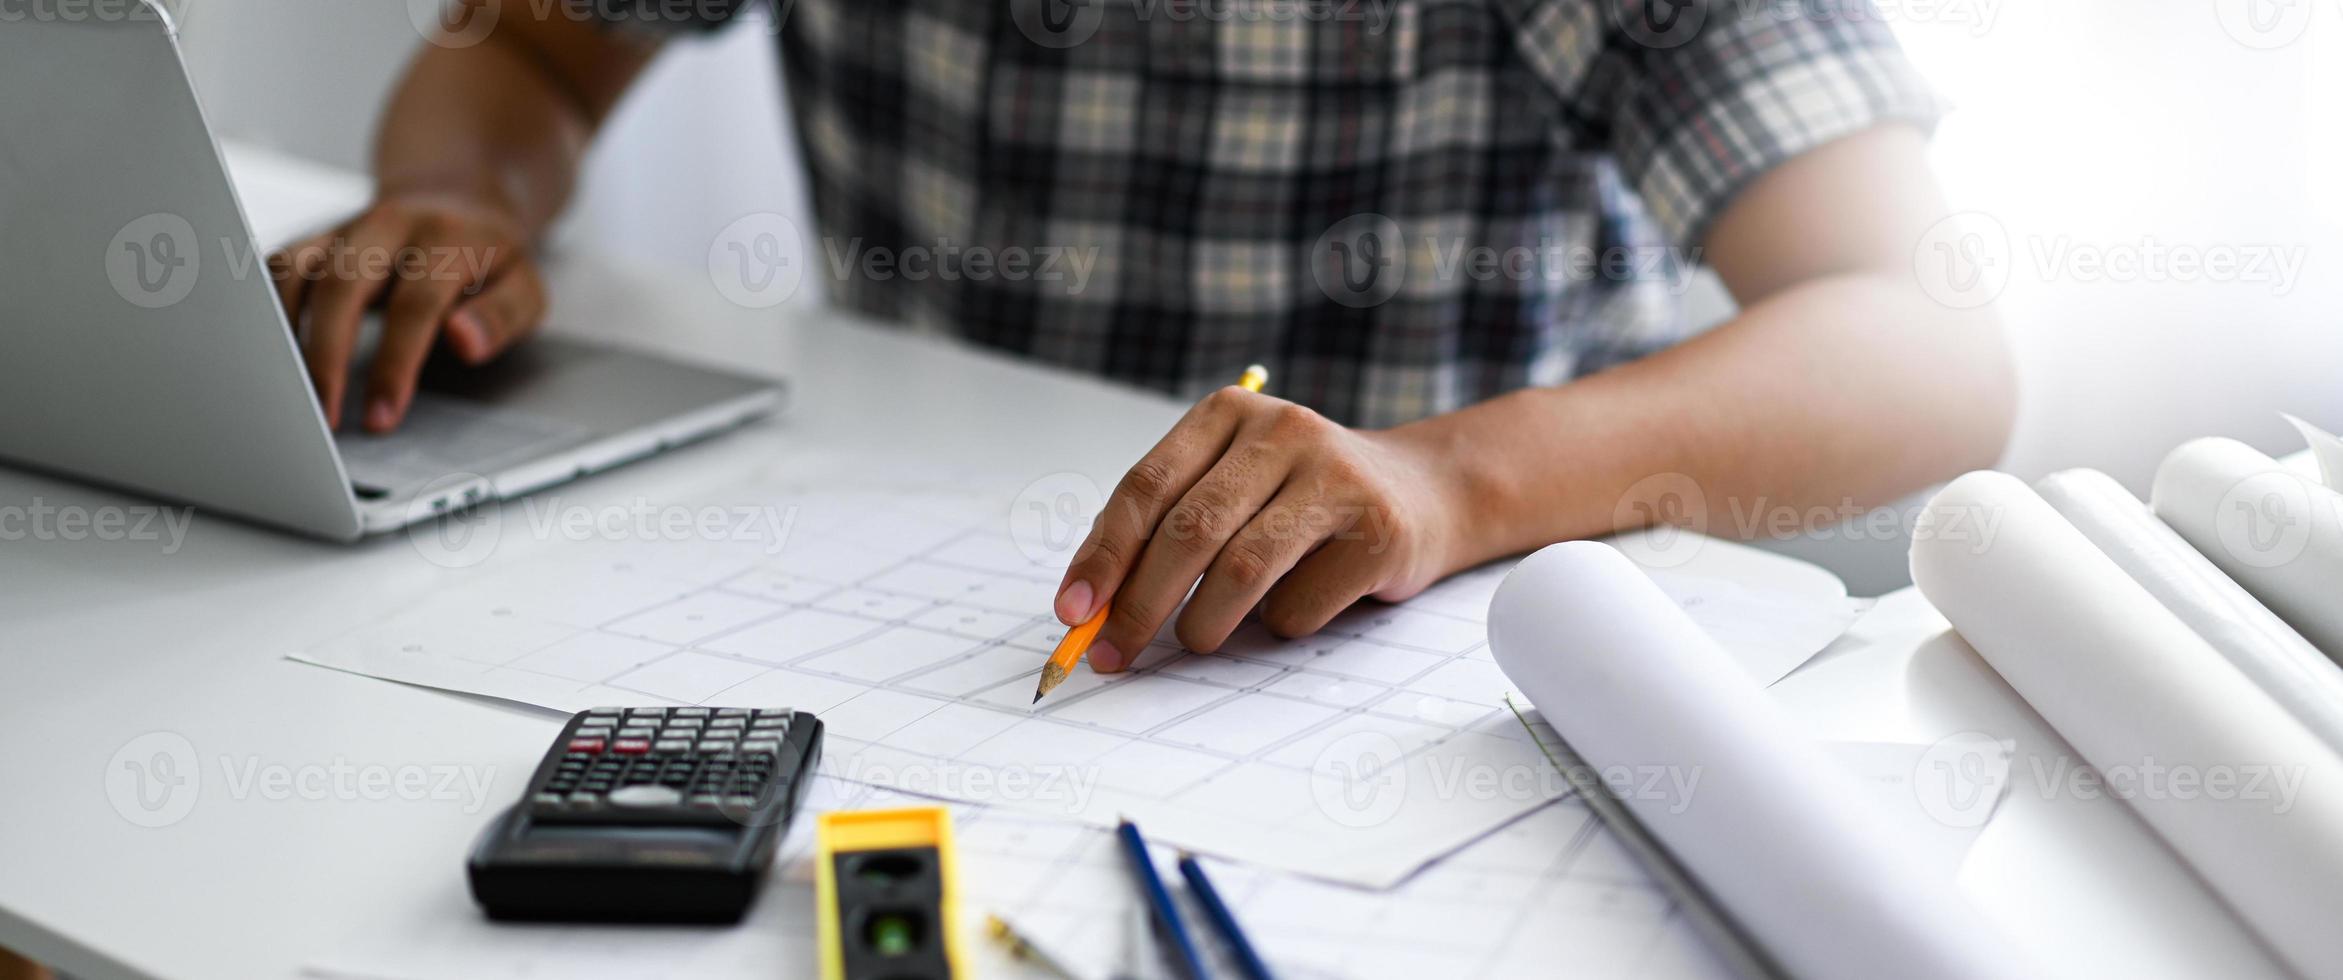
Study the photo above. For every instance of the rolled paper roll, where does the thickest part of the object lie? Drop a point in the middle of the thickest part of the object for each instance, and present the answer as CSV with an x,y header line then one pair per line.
x,y
1779,833
2275,657
2239,787
2277,532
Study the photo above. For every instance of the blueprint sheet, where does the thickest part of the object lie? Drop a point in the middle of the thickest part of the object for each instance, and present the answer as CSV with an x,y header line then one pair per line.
x,y
912,616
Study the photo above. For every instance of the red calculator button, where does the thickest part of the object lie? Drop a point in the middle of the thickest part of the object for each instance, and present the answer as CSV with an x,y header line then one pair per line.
x,y
585,745
631,746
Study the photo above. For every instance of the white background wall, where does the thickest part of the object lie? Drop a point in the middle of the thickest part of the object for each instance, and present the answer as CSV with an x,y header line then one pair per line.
x,y
700,142
2096,127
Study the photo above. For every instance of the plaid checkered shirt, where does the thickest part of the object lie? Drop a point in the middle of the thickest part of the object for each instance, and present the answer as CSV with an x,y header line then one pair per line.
x,y
1401,206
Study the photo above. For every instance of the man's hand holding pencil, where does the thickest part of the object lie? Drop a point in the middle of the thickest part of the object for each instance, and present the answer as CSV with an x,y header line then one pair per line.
x,y
1256,501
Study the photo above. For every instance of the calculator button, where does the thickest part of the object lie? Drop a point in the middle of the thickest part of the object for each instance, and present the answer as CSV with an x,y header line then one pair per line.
x,y
716,745
764,723
637,732
672,745
754,748
585,746
598,712
693,712
781,713
728,723
546,799
647,712
733,712
631,746
645,796
742,802
686,722
701,800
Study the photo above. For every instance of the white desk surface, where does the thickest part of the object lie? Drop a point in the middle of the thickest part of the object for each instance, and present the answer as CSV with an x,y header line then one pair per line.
x,y
104,642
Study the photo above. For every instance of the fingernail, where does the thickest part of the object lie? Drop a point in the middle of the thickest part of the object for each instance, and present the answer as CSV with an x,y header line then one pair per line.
x,y
1074,602
1105,659
382,415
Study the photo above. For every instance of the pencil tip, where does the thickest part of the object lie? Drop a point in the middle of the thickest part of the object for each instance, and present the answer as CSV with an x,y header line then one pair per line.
x,y
1052,675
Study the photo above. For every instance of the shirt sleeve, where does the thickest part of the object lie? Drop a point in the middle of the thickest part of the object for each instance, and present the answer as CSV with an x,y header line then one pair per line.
x,y
670,16
1697,98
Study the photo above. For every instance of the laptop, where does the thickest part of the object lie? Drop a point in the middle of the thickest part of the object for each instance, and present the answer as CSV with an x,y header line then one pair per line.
x,y
142,344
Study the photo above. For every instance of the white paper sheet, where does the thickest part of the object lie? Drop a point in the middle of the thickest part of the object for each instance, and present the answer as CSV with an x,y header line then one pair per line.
x,y
2276,532
2240,789
2325,448
1549,892
1943,792
2271,653
1768,635
1799,853
915,623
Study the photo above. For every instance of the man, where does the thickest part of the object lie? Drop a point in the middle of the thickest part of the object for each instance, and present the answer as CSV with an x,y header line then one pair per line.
x,y
1436,220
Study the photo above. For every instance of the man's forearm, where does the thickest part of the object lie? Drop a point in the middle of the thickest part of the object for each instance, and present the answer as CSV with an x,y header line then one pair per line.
x,y
508,120
476,156
1846,389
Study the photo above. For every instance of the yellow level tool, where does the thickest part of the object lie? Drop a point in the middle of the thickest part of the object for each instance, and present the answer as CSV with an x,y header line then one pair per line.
x,y
884,886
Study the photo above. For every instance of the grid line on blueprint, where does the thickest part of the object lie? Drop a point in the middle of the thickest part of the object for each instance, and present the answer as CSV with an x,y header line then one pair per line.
x,y
917,639
1569,895
1568,903
1568,907
991,657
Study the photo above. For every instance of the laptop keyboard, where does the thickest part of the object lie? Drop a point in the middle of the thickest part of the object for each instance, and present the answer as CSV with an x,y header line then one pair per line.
x,y
443,436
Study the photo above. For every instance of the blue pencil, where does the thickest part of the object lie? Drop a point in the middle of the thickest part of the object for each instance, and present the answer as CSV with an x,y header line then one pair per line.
x,y
1222,919
1178,948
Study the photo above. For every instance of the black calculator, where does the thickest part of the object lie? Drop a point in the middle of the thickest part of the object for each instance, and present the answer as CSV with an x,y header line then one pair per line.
x,y
649,815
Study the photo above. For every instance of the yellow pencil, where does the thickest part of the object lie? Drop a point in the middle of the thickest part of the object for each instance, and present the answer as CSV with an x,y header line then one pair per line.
x,y
1078,640
1024,950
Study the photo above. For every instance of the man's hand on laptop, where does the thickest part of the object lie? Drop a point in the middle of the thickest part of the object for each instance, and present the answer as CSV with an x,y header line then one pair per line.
x,y
442,267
